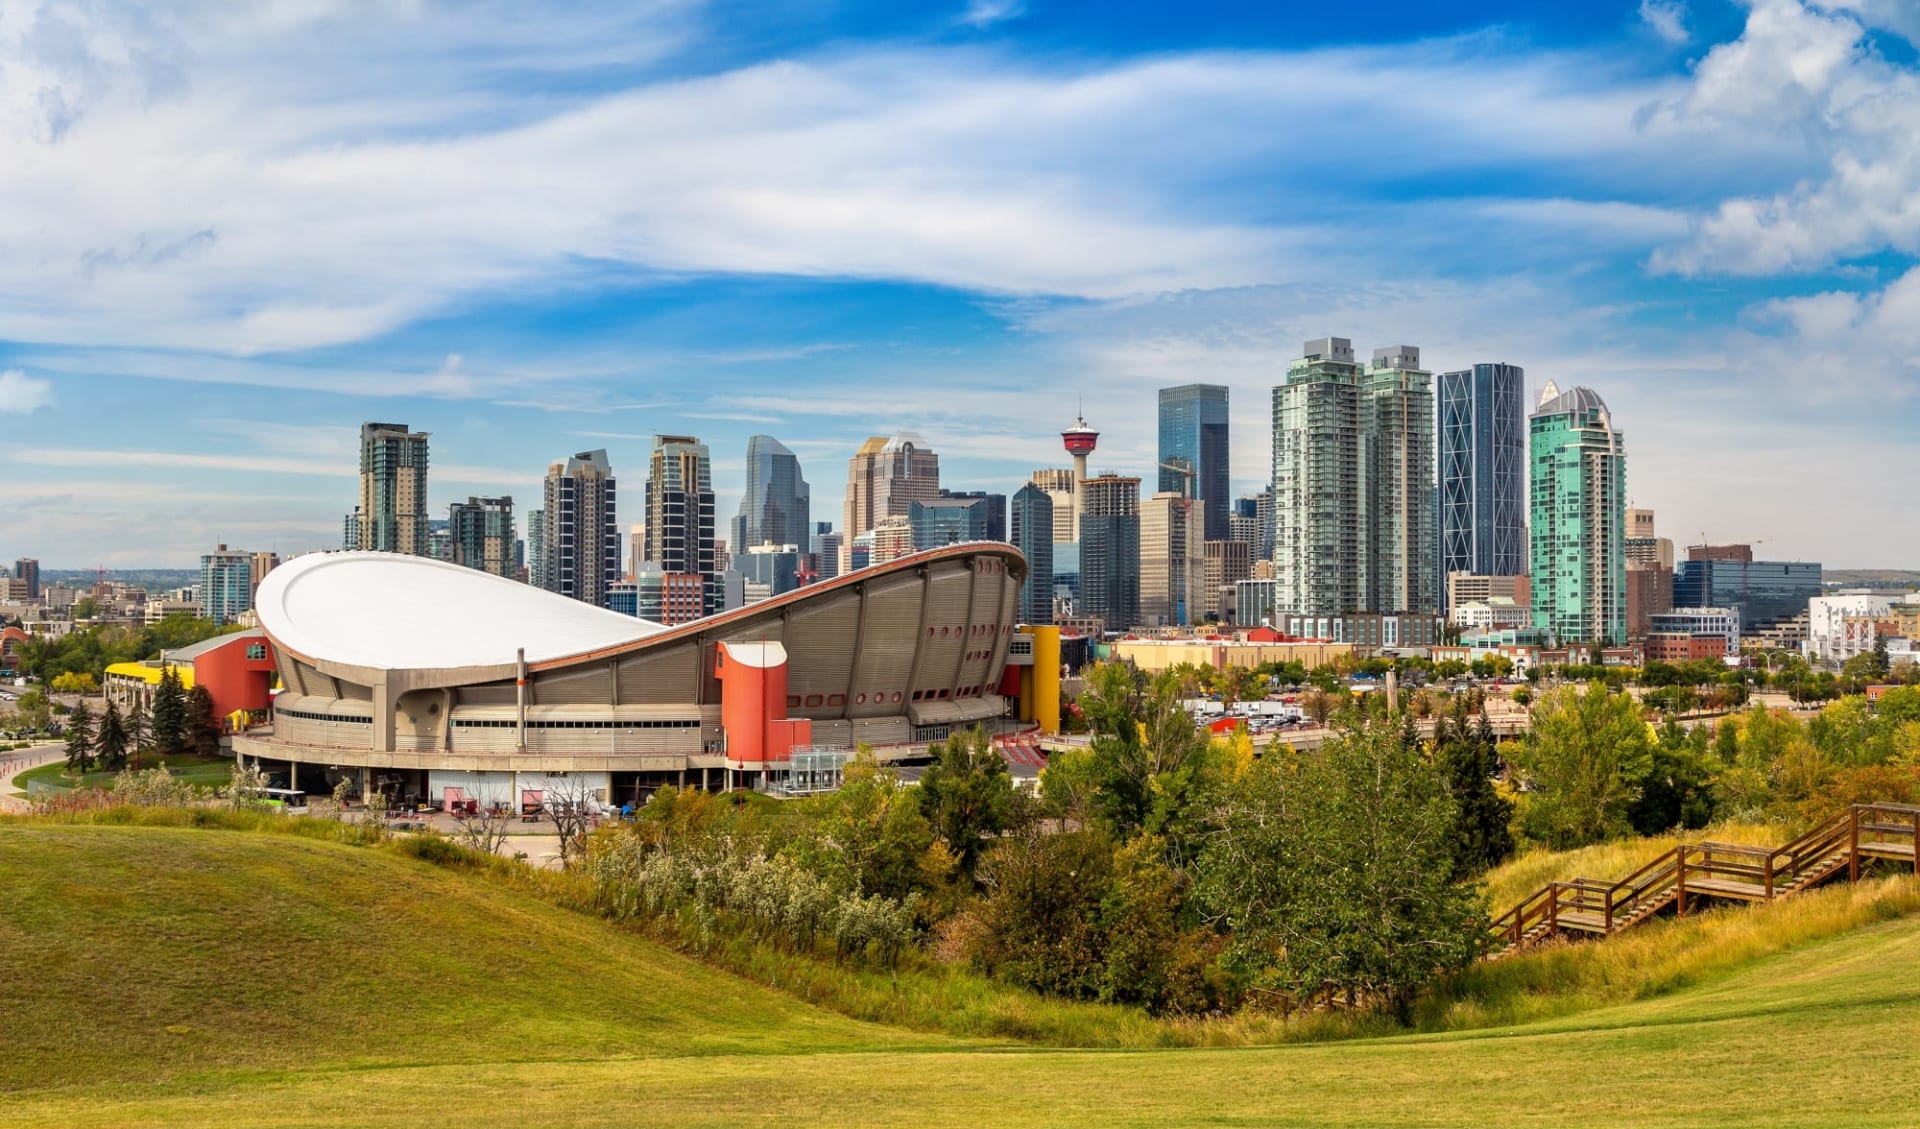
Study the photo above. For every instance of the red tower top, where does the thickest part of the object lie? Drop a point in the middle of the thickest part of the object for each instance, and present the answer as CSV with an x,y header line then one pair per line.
x,y
1080,439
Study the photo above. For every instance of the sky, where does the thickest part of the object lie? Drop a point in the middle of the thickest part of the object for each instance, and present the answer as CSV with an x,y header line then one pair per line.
x,y
230,233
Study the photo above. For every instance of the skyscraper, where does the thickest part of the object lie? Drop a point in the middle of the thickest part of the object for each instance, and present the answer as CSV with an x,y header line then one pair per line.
x,y
1353,506
1172,560
226,584
1110,550
1579,491
480,533
1030,527
679,527
1193,449
393,489
1058,482
776,506
350,530
537,549
952,518
1483,461
826,550
884,478
580,545
1397,427
258,566
28,569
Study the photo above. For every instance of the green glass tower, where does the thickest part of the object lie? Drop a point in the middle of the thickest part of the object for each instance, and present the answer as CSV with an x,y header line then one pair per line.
x,y
1579,505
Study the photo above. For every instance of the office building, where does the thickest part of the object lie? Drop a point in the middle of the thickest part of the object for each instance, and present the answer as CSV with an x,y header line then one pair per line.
x,y
258,566
1688,634
28,570
1644,545
679,533
775,567
1227,563
1497,613
1193,450
1110,550
884,478
1173,561
776,506
1253,601
827,543
1353,497
1369,631
1844,625
580,544
1058,482
481,535
1467,587
393,490
226,584
1483,470
1578,483
890,539
1030,522
1649,573
955,517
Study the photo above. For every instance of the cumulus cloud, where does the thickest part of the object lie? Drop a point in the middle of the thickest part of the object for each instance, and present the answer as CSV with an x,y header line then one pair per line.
x,y
20,394
985,13
1667,18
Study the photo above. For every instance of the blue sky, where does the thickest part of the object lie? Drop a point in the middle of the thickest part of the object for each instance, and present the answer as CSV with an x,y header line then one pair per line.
x,y
230,233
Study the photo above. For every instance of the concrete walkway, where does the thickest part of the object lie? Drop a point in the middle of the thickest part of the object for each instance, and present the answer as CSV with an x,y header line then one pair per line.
x,y
12,796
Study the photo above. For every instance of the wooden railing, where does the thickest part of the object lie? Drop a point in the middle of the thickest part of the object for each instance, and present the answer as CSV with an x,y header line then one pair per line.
x,y
1709,869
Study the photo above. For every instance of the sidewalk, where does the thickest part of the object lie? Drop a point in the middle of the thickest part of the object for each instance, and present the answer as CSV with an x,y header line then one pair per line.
x,y
12,798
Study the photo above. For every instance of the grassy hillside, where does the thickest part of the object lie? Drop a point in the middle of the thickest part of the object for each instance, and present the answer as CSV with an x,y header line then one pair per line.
x,y
152,953
169,977
1519,877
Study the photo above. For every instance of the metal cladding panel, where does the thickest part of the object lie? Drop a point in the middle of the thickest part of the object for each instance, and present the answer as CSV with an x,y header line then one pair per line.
x,y
945,640
887,643
668,676
891,730
833,734
820,645
581,686
353,691
487,694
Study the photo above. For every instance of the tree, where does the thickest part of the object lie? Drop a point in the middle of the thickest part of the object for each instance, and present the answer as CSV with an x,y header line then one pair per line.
x,y
139,732
112,745
1335,872
36,712
1483,818
75,682
86,607
1679,788
169,714
203,726
80,739
967,795
1587,755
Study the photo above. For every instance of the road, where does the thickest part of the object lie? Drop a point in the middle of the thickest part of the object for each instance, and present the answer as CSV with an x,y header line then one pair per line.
x,y
12,798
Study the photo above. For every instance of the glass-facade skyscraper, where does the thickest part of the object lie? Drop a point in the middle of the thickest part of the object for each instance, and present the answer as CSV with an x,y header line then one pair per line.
x,y
1483,471
776,508
1031,519
1193,441
1579,498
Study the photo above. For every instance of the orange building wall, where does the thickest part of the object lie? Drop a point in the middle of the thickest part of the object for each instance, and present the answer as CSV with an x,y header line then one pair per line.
x,y
236,681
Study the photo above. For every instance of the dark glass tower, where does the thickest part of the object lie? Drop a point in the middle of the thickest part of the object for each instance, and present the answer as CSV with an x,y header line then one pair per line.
x,y
1193,443
777,506
1483,471
1032,532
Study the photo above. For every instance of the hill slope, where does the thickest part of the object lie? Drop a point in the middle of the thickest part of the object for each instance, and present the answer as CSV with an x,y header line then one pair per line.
x,y
144,953
314,984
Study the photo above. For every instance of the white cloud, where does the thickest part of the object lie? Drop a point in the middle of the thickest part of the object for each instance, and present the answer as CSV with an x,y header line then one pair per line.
x,y
1899,16
21,394
1667,18
985,13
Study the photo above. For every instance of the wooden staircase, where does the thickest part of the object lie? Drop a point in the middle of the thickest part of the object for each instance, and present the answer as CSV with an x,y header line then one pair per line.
x,y
1684,876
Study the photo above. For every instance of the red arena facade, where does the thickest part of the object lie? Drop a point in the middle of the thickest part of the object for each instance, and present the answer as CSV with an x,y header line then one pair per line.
x,y
419,677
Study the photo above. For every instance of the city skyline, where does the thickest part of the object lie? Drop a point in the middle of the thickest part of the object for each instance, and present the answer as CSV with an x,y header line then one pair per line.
x,y
188,366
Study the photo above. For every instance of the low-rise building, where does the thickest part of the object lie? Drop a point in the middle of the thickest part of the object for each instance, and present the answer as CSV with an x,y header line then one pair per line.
x,y
1368,631
1844,625
236,669
1156,655
1494,614
1689,634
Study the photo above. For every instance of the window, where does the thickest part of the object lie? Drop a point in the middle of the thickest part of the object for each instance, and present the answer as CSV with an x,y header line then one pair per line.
x,y
256,651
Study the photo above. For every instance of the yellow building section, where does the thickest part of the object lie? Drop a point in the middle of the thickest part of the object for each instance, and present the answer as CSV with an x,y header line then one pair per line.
x,y
1155,655
1040,683
150,675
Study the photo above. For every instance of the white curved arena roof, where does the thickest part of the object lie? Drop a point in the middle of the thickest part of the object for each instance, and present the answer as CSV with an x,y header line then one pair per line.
x,y
394,612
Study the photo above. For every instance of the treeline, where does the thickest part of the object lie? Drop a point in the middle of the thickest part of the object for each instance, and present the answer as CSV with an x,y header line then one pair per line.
x,y
1159,867
181,721
88,651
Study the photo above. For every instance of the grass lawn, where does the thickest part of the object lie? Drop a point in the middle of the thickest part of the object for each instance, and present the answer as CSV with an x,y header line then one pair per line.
x,y
153,976
204,772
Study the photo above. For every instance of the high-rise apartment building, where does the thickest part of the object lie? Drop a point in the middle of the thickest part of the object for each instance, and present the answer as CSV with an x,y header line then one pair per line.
x,y
1110,550
1193,450
1353,495
1579,490
1058,482
1649,573
226,584
580,544
1402,542
679,513
350,530
27,569
537,549
1172,560
258,566
884,478
1483,470
393,489
481,536
1031,528
1227,564
776,507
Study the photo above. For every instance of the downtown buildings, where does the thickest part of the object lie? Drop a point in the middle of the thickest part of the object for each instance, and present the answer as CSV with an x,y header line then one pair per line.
x,y
1579,502
884,478
392,516
678,534
1194,450
480,535
776,505
1483,471
580,540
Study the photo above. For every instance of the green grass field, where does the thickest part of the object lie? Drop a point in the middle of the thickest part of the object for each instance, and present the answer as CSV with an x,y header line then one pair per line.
x,y
202,772
164,976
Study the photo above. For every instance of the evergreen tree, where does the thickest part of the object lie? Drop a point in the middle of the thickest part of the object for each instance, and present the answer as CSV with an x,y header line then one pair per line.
x,y
112,745
203,727
169,714
1483,818
139,731
80,739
